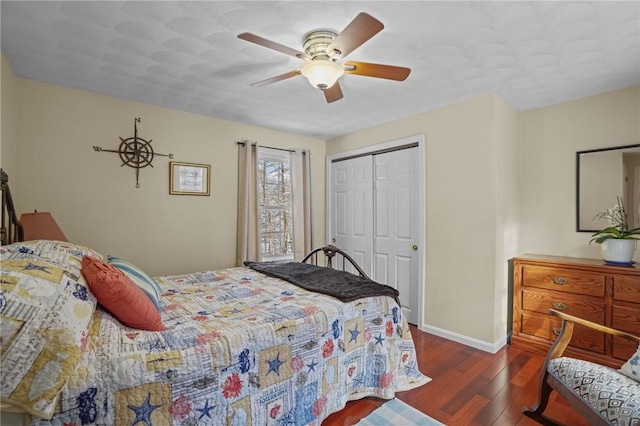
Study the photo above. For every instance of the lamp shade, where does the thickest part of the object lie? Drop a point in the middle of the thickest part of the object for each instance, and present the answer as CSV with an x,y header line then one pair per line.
x,y
322,73
41,226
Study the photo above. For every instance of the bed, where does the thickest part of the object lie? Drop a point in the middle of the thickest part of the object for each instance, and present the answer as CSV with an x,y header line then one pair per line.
x,y
239,346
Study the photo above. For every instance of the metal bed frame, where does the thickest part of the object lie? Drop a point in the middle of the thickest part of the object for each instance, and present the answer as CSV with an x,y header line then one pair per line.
x,y
11,230
330,252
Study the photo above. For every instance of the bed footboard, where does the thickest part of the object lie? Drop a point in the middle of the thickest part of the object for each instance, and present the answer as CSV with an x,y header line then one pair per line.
x,y
341,261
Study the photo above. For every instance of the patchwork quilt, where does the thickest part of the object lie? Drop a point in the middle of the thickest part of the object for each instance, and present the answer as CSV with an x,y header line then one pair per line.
x,y
239,348
45,312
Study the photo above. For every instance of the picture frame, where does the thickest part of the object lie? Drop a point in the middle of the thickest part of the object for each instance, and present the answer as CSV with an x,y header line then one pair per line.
x,y
189,178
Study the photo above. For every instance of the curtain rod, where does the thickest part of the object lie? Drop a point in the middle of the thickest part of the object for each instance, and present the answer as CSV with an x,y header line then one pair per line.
x,y
271,147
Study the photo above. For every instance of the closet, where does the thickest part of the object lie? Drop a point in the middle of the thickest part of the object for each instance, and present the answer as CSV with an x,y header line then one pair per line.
x,y
376,215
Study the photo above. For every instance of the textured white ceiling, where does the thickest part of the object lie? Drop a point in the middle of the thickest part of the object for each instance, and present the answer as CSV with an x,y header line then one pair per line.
x,y
185,55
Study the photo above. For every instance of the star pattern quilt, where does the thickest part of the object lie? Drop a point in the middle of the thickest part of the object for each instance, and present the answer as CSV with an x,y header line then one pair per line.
x,y
239,348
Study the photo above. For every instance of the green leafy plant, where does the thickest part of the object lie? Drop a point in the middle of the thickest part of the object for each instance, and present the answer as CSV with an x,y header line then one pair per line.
x,y
618,229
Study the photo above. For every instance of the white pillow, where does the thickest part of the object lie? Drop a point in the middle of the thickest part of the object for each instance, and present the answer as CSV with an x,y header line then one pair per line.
x,y
631,368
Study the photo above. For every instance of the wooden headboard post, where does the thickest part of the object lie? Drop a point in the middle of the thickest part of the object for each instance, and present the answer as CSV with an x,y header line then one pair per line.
x,y
11,230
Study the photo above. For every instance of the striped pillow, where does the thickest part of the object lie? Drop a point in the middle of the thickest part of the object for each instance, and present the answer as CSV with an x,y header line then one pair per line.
x,y
139,277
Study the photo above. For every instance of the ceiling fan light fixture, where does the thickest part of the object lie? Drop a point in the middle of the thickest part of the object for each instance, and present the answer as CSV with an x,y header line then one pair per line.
x,y
322,73
324,51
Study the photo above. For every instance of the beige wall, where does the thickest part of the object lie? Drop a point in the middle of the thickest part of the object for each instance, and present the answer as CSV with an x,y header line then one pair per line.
x,y
551,137
94,199
508,141
462,209
8,122
516,194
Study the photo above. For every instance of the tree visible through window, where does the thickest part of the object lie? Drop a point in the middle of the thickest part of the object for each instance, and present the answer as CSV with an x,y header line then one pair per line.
x,y
276,212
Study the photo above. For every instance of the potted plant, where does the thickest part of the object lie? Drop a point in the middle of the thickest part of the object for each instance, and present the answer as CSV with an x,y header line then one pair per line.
x,y
618,241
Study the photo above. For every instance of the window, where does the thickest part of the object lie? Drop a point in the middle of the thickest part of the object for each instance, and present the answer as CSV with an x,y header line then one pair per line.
x,y
276,211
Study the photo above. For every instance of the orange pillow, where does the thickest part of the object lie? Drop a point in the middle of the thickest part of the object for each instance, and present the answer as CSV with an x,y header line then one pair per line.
x,y
120,296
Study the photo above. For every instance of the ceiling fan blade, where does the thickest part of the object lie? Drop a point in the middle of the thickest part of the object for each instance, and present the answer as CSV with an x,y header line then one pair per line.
x,y
273,45
276,78
389,72
361,29
333,93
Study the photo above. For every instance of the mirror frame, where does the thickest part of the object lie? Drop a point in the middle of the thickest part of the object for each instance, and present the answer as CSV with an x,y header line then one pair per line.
x,y
590,151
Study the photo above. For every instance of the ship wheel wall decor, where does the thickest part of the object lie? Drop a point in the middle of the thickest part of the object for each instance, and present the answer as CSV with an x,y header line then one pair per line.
x,y
135,152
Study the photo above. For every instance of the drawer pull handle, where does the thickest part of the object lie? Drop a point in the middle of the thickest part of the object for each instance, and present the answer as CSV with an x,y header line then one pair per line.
x,y
559,306
556,331
559,280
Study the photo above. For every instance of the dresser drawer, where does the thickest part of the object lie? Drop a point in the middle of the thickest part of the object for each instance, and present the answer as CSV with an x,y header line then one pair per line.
x,y
626,318
561,279
623,348
547,327
626,288
541,300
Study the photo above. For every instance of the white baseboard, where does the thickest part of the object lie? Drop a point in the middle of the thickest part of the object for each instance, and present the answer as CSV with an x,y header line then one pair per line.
x,y
465,340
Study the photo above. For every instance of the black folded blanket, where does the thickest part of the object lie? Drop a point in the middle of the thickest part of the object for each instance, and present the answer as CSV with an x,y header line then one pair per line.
x,y
342,285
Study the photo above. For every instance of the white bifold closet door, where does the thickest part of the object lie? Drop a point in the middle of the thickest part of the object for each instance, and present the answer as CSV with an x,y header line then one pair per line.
x,y
352,207
374,218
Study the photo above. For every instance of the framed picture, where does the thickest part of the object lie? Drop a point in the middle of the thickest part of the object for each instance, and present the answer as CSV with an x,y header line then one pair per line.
x,y
189,178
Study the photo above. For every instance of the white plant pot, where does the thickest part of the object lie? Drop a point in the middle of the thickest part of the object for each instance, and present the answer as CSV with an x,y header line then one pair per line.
x,y
619,251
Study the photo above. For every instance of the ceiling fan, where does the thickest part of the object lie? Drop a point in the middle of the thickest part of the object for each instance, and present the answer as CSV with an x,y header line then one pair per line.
x,y
323,50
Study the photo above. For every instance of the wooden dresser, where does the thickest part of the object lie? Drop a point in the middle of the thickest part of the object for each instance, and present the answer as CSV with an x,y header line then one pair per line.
x,y
586,288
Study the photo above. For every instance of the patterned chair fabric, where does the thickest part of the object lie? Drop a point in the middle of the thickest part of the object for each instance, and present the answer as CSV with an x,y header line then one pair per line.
x,y
612,395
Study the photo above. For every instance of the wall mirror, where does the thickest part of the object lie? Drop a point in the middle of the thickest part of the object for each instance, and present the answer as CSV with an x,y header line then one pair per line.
x,y
602,176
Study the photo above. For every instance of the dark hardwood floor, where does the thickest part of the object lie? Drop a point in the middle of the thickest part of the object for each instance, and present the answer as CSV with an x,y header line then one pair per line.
x,y
470,387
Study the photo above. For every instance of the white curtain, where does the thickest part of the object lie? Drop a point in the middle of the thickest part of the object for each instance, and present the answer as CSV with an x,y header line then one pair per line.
x,y
301,188
248,225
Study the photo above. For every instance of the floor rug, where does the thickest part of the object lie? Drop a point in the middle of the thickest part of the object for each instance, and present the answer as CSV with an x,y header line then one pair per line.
x,y
397,413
